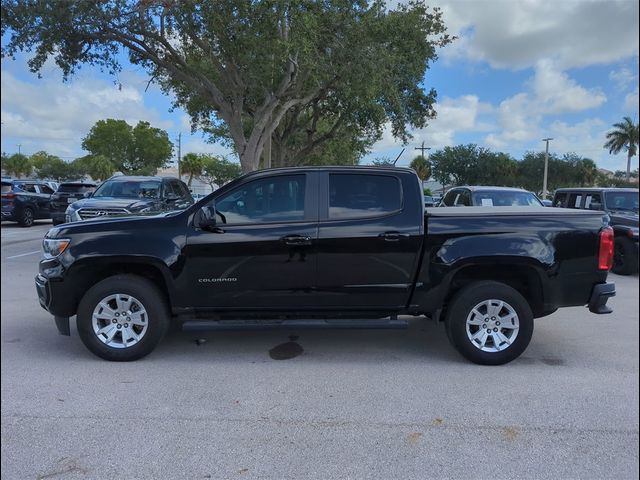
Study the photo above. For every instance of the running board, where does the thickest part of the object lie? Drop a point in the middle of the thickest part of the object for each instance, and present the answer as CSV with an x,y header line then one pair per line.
x,y
302,324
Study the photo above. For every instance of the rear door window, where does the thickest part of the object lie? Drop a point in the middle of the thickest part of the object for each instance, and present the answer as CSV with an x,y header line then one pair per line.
x,y
75,188
575,200
560,200
46,189
363,196
592,198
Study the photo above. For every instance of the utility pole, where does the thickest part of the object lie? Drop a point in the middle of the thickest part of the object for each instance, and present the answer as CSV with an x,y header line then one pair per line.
x,y
179,152
19,147
422,148
546,168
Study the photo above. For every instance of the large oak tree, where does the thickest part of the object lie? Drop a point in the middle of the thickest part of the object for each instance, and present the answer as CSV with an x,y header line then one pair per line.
x,y
242,66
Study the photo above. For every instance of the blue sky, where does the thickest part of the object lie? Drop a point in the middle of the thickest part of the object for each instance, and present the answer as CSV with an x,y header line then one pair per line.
x,y
520,71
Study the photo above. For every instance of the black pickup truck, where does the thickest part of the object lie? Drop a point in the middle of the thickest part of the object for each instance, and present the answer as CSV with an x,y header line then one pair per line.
x,y
337,247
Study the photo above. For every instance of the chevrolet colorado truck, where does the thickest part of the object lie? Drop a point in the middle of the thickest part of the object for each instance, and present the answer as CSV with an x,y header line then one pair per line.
x,y
325,247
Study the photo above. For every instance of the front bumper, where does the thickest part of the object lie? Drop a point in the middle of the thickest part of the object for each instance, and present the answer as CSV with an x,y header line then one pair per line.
x,y
599,296
52,295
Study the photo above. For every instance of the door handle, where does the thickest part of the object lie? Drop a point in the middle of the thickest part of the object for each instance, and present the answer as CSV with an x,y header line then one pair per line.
x,y
393,236
296,240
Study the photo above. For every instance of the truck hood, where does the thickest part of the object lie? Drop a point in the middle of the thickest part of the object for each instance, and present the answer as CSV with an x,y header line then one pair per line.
x,y
131,204
620,217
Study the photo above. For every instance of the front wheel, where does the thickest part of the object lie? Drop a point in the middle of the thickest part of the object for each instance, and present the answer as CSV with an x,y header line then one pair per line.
x,y
489,323
122,318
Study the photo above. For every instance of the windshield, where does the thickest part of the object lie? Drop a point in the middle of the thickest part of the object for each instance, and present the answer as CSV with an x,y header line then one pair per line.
x,y
129,189
621,201
505,198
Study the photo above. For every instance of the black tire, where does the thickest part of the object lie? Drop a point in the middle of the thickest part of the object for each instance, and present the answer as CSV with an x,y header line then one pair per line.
x,y
26,217
461,307
147,294
625,257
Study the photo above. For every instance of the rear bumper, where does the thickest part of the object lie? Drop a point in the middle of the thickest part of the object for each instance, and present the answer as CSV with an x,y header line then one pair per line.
x,y
599,296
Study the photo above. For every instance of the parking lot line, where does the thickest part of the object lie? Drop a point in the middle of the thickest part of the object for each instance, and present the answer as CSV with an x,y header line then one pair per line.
x,y
22,254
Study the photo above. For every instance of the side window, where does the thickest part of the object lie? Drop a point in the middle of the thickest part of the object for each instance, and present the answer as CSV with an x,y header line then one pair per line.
x,y
575,200
362,196
171,188
45,189
450,198
560,200
183,189
28,187
274,199
464,199
592,198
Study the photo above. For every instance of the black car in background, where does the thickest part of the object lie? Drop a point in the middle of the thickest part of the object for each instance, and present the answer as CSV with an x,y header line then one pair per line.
x,y
131,195
67,193
25,201
621,204
481,196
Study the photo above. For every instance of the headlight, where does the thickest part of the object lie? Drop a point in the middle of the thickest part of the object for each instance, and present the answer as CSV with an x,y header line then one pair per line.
x,y
52,247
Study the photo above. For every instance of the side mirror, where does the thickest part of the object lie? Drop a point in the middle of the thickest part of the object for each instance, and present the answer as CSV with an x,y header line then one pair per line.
x,y
206,219
88,194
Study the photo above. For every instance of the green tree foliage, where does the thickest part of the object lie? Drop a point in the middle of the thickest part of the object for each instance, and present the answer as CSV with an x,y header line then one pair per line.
x,y
192,164
132,150
244,65
16,165
422,167
472,165
217,171
382,162
98,167
624,137
51,166
569,170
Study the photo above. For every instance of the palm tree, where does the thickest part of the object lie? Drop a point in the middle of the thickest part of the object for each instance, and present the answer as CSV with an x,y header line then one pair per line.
x,y
191,164
422,167
624,137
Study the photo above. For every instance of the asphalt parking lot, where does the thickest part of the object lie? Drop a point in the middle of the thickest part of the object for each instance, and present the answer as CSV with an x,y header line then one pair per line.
x,y
354,404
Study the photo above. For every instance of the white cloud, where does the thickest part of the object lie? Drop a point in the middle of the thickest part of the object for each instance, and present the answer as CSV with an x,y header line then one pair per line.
x,y
549,92
623,77
51,115
631,102
455,115
518,34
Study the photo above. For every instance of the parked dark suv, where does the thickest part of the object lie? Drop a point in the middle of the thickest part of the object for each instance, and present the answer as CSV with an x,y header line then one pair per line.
x,y
25,201
66,194
481,196
622,206
128,195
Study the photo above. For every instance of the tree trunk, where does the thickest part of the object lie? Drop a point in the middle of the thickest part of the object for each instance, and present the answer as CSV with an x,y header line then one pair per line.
x,y
628,165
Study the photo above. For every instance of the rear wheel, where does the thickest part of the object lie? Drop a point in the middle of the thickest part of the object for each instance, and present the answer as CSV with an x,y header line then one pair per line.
x,y
625,257
122,318
489,323
26,217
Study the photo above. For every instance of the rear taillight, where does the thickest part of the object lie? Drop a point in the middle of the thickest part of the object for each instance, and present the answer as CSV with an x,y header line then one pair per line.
x,y
605,256
9,195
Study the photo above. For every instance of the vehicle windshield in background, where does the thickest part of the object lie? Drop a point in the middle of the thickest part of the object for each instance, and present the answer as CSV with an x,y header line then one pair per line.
x,y
129,189
622,201
75,188
6,187
501,198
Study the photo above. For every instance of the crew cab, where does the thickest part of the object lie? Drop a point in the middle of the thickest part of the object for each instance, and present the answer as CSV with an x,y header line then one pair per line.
x,y
325,247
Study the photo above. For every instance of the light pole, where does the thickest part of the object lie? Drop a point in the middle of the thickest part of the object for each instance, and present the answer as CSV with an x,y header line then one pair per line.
x,y
546,168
